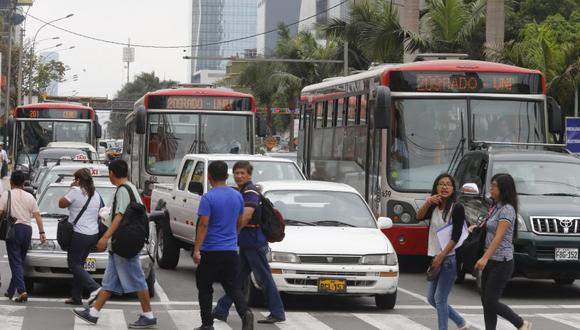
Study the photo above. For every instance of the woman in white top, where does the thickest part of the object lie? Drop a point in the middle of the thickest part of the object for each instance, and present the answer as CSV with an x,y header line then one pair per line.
x,y
23,207
86,232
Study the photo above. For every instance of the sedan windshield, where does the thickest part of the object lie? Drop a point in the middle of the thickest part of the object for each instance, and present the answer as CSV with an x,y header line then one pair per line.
x,y
322,208
48,203
542,178
268,171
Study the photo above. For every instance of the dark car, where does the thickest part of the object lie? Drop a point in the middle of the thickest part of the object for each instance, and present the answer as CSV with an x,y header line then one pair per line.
x,y
548,186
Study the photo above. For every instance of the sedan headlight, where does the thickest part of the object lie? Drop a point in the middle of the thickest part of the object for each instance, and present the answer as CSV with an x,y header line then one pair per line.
x,y
389,259
521,224
48,245
283,257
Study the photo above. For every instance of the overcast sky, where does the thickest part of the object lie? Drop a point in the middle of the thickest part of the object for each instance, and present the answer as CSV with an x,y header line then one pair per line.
x,y
99,66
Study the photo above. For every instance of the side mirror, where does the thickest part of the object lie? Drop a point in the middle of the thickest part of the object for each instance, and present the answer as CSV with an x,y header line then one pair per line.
x,y
140,120
98,130
261,126
555,122
10,127
384,223
470,189
382,111
195,188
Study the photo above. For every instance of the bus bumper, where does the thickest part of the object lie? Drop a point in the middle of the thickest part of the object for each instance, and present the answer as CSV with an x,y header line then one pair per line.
x,y
409,240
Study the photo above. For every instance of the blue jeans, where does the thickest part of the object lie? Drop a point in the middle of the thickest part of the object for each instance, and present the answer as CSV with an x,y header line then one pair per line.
x,y
255,261
16,249
439,291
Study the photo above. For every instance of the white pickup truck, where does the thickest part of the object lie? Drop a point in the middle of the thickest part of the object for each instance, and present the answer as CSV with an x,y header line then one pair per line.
x,y
174,206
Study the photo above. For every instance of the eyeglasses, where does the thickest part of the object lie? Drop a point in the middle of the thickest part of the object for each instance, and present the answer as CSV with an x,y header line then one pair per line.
x,y
448,185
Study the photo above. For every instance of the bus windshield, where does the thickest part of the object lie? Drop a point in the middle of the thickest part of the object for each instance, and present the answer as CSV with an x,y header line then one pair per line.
x,y
33,135
171,136
428,132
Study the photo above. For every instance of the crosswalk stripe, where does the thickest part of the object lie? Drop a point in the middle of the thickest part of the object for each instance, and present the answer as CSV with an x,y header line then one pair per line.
x,y
477,322
571,320
302,321
390,322
8,321
191,318
112,319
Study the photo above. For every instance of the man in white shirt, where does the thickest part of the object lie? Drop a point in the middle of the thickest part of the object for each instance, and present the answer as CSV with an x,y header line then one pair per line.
x,y
3,160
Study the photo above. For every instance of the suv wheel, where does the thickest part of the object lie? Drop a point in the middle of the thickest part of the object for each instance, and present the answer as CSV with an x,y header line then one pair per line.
x,y
166,249
564,281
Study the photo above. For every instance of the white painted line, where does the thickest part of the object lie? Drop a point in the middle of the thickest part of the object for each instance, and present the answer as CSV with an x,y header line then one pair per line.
x,y
390,322
477,322
11,322
414,295
112,319
571,320
5,256
192,319
302,321
161,293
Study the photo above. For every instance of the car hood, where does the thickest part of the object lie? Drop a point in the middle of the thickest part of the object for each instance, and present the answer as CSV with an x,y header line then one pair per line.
x,y
562,206
50,227
333,240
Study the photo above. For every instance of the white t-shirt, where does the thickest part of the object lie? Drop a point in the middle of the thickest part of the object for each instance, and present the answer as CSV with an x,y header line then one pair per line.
x,y
22,205
88,222
437,222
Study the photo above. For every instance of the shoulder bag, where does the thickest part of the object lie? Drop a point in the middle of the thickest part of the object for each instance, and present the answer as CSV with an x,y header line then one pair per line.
x,y
7,222
65,229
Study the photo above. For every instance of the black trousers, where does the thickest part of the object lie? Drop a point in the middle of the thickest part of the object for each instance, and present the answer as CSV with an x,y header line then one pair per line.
x,y
495,276
222,267
80,247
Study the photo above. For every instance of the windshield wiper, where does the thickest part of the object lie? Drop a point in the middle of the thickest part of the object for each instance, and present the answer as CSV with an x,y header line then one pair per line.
x,y
334,222
526,194
53,215
561,194
293,222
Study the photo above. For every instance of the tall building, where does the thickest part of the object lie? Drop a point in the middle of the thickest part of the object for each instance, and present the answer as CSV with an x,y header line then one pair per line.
x,y
52,88
270,14
216,21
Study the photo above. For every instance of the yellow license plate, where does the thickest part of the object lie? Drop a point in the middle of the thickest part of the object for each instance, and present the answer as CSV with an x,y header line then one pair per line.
x,y
90,264
333,285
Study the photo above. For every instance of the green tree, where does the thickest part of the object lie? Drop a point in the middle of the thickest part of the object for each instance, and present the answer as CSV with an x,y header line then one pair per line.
x,y
521,12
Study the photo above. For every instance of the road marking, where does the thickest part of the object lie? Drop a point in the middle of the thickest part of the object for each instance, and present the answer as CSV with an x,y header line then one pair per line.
x,y
390,322
161,293
571,320
477,322
302,321
10,322
188,319
413,294
113,319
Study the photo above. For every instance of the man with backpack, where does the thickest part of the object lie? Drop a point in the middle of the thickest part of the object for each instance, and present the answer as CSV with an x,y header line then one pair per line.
x,y
253,246
123,273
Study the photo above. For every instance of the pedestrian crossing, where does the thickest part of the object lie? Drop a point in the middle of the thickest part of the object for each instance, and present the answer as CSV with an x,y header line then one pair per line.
x,y
18,318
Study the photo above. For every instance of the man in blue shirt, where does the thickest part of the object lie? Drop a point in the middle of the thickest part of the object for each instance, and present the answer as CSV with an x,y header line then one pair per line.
x,y
253,250
216,245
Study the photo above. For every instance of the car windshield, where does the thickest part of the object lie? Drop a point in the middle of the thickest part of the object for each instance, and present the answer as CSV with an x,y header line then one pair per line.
x,y
542,177
52,155
53,175
48,202
324,208
171,136
268,171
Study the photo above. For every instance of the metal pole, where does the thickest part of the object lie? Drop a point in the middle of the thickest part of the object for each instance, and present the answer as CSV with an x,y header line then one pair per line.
x,y
576,101
30,72
20,59
128,59
9,71
345,62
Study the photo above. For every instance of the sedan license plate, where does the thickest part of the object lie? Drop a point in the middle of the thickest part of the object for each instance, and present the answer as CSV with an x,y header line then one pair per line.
x,y
565,254
90,264
328,285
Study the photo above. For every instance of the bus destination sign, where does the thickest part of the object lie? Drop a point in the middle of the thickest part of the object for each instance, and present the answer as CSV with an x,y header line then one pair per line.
x,y
466,82
41,113
200,103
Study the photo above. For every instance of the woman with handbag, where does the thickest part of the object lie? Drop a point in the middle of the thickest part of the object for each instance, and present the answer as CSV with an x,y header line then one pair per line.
x,y
22,208
441,208
83,203
497,262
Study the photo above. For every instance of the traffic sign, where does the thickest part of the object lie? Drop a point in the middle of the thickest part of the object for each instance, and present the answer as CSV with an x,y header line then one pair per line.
x,y
573,134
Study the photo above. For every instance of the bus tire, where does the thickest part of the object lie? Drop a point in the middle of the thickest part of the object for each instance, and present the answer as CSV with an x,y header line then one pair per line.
x,y
386,301
167,248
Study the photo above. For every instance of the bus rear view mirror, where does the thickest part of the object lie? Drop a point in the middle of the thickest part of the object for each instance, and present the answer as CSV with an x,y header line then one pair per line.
x,y
555,122
382,111
98,130
261,130
140,120
10,127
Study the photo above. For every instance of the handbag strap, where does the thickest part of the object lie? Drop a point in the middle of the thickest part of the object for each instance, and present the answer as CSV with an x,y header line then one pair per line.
x,y
82,210
9,206
131,197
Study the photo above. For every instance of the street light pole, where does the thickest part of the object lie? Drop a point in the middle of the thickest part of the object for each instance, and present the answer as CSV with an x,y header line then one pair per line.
x,y
32,54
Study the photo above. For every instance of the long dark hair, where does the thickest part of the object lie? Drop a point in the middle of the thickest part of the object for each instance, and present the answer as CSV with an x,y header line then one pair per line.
x,y
507,194
452,199
85,181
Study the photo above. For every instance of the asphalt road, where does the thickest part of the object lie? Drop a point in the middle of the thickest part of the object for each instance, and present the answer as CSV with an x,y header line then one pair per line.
x,y
548,305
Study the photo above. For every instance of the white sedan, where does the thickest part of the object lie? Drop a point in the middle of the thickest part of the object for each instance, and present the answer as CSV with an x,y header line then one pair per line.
x,y
333,244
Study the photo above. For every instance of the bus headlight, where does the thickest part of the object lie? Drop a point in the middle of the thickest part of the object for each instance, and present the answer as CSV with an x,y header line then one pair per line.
x,y
401,212
406,218
398,209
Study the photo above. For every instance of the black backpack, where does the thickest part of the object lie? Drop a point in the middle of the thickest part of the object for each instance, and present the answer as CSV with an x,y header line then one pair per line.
x,y
271,221
133,231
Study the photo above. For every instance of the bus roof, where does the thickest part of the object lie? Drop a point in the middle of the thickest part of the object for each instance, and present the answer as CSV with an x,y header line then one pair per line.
x,y
193,91
54,106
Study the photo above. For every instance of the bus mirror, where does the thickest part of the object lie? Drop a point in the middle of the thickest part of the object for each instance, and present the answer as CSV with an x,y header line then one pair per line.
x,y
140,120
98,130
555,116
382,111
10,127
260,126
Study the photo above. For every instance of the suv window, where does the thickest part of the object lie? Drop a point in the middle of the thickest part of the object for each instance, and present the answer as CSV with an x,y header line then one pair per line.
x,y
198,173
185,174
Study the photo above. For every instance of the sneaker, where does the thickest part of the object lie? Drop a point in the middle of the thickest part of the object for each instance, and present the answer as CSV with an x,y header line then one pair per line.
x,y
93,296
85,315
144,322
205,327
216,316
271,319
248,321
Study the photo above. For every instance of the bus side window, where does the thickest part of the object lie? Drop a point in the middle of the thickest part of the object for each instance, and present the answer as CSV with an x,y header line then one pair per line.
x,y
342,103
358,110
325,114
320,119
330,114
352,110
363,109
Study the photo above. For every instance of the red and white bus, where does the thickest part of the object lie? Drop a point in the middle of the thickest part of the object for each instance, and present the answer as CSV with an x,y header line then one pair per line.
x,y
390,131
167,124
34,126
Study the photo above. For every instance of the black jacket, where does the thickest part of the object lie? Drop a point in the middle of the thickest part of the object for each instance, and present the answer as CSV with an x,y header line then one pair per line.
x,y
457,218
